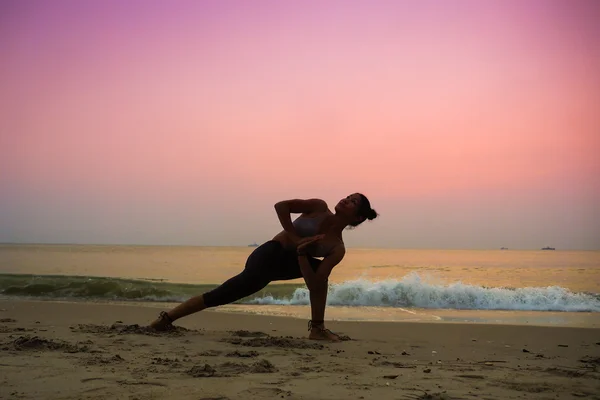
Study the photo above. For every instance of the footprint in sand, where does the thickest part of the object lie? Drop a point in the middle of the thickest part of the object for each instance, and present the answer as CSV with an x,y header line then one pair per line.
x,y
124,381
393,364
593,361
243,354
123,329
213,398
471,376
229,369
428,396
102,360
8,329
36,343
268,393
530,387
244,333
271,341
171,362
308,369
569,373
210,353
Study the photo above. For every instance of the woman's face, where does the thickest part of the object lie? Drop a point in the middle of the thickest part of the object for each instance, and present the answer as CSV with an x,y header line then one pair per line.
x,y
349,205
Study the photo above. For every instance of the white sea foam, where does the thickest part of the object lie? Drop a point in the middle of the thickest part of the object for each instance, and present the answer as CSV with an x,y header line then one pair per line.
x,y
413,291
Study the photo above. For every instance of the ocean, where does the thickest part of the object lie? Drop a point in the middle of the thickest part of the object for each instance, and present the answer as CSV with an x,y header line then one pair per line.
x,y
493,286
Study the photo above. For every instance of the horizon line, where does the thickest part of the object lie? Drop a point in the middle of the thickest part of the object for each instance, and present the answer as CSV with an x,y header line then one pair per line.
x,y
250,246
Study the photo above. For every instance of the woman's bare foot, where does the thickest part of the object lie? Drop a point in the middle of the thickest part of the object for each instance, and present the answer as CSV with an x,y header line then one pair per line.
x,y
162,323
319,332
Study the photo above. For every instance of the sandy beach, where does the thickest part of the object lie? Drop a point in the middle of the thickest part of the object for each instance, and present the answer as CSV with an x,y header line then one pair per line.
x,y
82,350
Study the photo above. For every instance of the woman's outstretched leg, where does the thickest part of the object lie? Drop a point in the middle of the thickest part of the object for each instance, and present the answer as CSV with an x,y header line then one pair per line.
x,y
255,276
190,306
236,288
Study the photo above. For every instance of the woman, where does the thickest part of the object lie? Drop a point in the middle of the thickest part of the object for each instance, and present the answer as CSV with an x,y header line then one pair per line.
x,y
290,255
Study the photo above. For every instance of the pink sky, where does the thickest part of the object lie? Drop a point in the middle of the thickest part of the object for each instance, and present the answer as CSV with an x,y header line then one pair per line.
x,y
155,122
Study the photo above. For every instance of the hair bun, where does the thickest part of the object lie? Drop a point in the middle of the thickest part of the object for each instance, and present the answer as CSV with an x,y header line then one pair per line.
x,y
371,214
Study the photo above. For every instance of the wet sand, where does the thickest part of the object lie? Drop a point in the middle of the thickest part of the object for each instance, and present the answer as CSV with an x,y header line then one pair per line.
x,y
64,350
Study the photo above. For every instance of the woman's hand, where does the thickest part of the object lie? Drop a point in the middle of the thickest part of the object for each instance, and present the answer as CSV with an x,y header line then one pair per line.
x,y
303,243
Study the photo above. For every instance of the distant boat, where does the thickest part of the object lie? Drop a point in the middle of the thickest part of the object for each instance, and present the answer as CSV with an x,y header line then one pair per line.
x,y
548,248
253,245
503,248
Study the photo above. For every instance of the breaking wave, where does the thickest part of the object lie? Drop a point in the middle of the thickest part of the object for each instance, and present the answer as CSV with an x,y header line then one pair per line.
x,y
409,291
412,291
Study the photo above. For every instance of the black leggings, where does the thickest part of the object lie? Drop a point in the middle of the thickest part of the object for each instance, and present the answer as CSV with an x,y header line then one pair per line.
x,y
268,262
